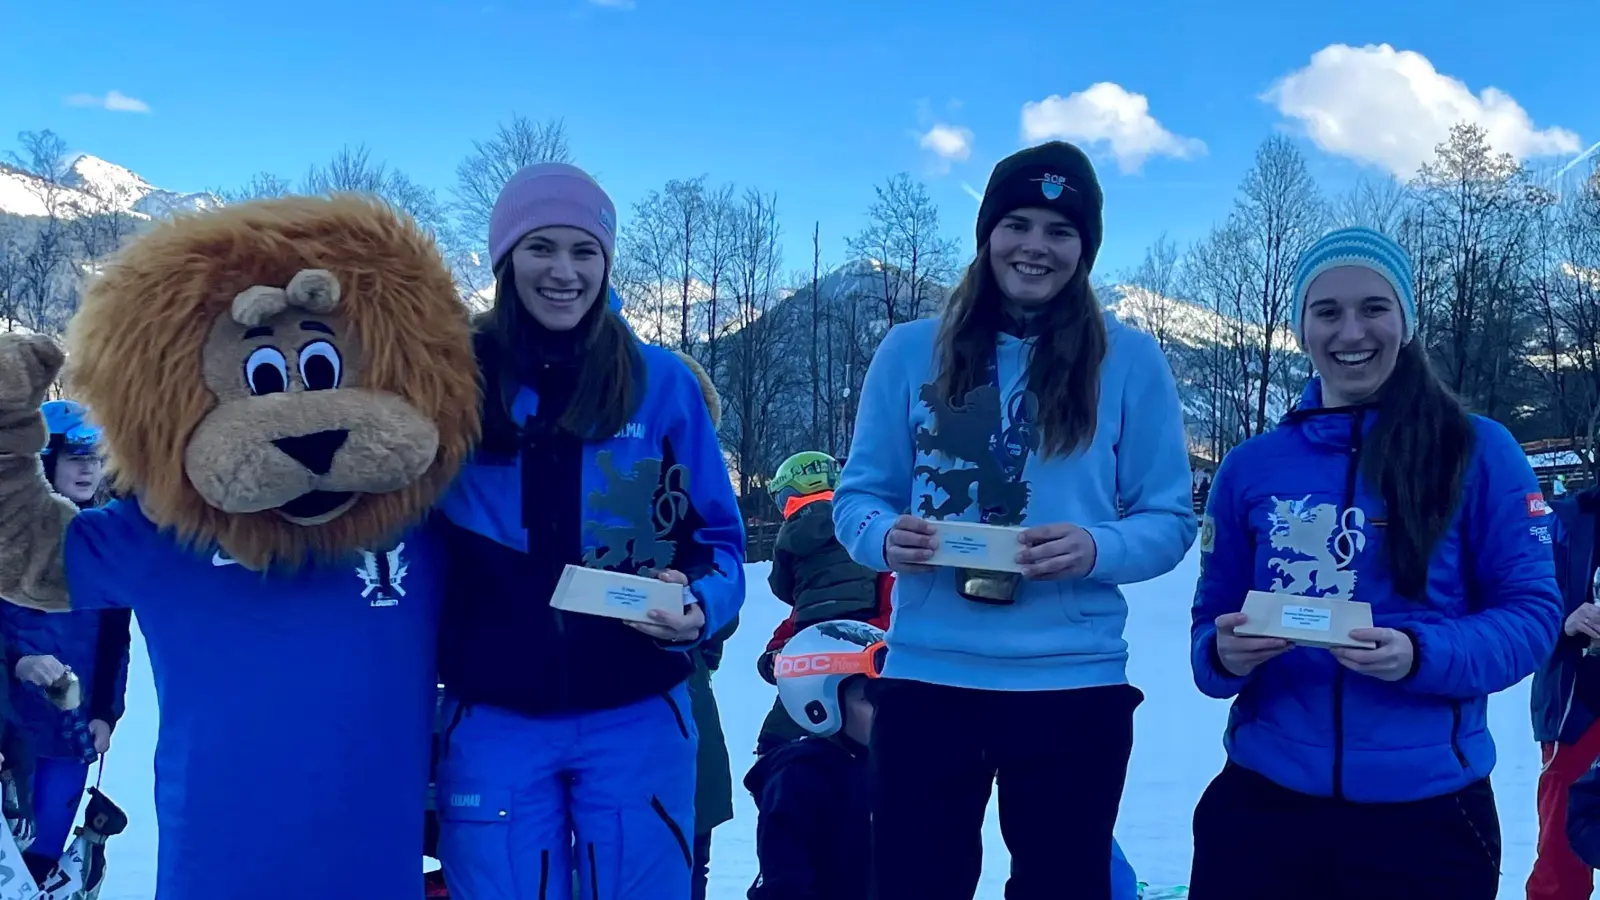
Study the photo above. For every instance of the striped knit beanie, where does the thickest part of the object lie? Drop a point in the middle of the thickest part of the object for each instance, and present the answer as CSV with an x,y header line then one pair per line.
x,y
1355,247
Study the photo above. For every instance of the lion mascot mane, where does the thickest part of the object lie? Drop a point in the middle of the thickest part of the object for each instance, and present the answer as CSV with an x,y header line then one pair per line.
x,y
285,389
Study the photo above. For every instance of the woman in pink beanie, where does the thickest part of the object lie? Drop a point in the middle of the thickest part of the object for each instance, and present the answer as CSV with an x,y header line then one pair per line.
x,y
568,739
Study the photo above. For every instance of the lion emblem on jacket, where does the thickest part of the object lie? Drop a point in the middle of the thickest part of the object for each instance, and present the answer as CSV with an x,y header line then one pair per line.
x,y
1328,541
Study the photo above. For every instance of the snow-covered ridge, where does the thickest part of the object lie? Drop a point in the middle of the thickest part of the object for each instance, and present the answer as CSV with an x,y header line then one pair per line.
x,y
93,186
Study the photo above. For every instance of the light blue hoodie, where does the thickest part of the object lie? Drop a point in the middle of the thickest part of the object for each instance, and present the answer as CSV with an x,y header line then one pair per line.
x,y
1059,634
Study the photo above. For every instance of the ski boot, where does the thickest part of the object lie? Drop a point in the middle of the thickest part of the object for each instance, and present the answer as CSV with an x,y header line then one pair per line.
x,y
101,820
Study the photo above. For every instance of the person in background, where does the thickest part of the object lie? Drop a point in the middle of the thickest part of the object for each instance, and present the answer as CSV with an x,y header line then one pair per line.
x,y
811,571
1028,405
1364,772
1566,702
812,812
569,736
713,777
52,653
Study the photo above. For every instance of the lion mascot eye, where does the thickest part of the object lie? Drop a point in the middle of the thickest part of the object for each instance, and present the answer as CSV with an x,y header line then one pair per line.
x,y
266,372
319,366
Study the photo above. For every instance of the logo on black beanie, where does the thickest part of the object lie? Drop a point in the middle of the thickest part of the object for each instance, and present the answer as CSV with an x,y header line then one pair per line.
x,y
1053,185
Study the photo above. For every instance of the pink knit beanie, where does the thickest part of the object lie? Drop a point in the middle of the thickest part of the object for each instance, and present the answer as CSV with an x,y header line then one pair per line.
x,y
547,194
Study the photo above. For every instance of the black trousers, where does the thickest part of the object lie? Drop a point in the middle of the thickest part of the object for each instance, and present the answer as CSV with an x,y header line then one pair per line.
x,y
1257,840
1059,758
702,866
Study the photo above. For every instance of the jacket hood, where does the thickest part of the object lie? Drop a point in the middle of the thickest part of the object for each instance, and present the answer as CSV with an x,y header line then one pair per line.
x,y
808,530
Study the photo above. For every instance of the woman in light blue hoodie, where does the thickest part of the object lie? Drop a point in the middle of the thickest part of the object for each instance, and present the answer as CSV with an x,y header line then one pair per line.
x,y
1023,405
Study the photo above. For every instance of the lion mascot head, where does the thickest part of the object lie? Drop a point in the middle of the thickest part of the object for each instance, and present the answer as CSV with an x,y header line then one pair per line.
x,y
286,379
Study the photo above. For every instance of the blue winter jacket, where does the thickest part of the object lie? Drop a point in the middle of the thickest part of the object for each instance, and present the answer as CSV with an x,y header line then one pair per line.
x,y
1288,512
94,644
1560,713
515,518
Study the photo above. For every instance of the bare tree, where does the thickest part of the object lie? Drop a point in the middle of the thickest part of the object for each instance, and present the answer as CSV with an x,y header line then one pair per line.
x,y
1148,294
757,383
352,169
261,186
43,268
1475,215
1277,216
480,176
11,253
714,254
912,262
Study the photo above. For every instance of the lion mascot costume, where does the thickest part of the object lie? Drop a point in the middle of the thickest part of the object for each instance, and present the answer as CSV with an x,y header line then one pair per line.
x,y
285,389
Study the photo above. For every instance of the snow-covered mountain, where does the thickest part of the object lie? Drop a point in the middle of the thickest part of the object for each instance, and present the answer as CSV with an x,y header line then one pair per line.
x,y
93,186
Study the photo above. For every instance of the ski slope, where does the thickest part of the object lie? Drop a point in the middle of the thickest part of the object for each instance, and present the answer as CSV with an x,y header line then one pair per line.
x,y
1177,749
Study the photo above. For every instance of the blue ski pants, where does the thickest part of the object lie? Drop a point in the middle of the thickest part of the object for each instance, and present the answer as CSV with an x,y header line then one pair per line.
x,y
57,792
523,800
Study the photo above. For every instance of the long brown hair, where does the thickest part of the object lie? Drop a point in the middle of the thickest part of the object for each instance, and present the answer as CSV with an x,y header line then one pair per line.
x,y
1064,372
1416,456
607,355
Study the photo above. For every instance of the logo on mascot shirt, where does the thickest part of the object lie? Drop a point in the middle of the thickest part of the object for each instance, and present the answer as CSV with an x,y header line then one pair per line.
x,y
1537,506
382,575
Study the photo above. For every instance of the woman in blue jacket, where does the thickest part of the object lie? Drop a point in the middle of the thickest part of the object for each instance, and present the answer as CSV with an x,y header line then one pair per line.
x,y
568,737
1365,772
44,649
1024,406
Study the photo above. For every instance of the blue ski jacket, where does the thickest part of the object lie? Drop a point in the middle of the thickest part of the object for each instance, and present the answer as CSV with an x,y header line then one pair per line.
x,y
518,515
94,644
1289,512
1565,687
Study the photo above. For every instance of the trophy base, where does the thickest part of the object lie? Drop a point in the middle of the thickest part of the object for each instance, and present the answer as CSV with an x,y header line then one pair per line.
x,y
615,595
1310,621
988,587
972,545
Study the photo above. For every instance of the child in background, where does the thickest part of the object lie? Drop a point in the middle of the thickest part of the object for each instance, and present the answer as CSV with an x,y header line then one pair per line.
x,y
811,571
811,794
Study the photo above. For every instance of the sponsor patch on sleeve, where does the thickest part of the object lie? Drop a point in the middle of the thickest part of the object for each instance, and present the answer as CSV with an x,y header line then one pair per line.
x,y
1208,534
1537,506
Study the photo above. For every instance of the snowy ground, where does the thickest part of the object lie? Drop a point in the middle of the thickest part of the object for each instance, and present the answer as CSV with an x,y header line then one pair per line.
x,y
1177,750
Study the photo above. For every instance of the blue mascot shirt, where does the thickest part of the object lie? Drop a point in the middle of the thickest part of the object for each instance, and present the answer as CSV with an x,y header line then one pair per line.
x,y
296,709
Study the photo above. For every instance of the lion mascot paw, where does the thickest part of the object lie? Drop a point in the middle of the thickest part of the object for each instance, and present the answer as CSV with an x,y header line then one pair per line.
x,y
284,389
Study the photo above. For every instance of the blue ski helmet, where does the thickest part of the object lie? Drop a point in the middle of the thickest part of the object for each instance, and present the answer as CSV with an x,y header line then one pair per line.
x,y
70,428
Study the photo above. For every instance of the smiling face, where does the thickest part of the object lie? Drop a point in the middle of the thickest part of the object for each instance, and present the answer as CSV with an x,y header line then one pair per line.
x,y
1353,331
1033,253
78,476
560,272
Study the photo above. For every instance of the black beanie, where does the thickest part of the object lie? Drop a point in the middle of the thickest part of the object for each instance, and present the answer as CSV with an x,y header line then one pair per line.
x,y
1055,176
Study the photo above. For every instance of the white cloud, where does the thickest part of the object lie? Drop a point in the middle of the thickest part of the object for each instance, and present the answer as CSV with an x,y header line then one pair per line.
x,y
116,101
1390,108
1110,116
949,142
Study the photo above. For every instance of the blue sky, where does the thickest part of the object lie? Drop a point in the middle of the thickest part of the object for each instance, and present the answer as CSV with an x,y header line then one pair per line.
x,y
815,100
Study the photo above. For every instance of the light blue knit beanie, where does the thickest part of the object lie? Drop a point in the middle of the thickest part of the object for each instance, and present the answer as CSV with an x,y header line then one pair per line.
x,y
1362,247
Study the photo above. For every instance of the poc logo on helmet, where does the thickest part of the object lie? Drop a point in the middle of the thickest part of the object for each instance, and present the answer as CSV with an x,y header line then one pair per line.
x,y
805,664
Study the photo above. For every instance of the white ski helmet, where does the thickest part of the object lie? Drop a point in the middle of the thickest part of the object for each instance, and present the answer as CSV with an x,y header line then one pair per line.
x,y
814,664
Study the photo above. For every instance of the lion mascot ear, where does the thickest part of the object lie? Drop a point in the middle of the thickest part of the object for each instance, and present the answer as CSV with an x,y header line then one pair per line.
x,y
713,399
